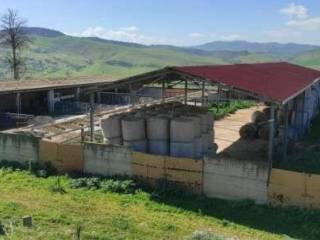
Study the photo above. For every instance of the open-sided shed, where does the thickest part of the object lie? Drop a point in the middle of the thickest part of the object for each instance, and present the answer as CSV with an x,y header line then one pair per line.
x,y
278,84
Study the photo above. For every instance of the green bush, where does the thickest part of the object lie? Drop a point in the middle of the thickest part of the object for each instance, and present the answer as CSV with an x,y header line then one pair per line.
x,y
40,170
107,185
222,109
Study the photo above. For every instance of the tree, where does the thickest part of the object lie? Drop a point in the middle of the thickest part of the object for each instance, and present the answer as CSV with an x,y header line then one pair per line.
x,y
13,36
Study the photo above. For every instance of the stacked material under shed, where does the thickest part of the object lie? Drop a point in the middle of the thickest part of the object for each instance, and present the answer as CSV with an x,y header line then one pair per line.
x,y
170,128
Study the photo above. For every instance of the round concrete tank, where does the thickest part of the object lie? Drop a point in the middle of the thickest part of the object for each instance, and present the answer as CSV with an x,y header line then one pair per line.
x,y
205,145
204,122
158,128
136,145
196,125
160,147
182,149
114,141
181,130
133,128
210,139
197,145
210,120
111,127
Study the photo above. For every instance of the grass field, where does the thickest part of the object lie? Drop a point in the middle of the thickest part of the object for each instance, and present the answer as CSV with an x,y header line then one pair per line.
x,y
157,215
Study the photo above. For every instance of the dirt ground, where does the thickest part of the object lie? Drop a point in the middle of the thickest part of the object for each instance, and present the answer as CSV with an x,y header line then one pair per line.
x,y
228,139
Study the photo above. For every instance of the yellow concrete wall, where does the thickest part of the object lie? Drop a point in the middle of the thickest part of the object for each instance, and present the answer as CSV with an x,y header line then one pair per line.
x,y
64,157
294,188
188,172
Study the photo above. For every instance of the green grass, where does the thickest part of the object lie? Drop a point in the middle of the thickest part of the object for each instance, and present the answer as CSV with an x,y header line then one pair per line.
x,y
98,213
223,109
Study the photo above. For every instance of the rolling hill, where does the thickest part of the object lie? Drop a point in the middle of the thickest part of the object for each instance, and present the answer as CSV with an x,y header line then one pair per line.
x,y
53,54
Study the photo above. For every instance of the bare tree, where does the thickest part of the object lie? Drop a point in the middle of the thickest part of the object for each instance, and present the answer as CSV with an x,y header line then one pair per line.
x,y
13,36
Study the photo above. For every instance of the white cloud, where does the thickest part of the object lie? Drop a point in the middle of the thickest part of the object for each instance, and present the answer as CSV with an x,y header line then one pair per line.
x,y
197,35
231,37
295,11
129,29
309,24
125,34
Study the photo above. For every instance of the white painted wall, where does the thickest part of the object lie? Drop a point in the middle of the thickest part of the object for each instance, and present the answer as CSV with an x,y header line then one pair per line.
x,y
107,160
235,179
18,147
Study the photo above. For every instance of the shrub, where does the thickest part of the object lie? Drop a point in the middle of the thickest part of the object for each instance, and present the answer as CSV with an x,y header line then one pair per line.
x,y
57,187
107,185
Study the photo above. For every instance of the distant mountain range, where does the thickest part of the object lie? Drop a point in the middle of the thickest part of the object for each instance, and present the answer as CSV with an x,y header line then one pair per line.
x,y
53,54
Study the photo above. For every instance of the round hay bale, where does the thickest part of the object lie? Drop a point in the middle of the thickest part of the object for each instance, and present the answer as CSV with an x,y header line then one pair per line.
x,y
258,117
263,131
248,131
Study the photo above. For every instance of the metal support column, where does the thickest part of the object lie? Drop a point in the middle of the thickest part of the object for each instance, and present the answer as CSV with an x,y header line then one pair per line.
x,y
91,117
77,93
51,101
18,102
98,97
271,138
185,91
163,91
285,133
202,93
132,95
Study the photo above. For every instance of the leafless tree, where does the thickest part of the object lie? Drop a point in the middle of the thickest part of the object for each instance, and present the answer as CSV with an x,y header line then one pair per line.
x,y
13,36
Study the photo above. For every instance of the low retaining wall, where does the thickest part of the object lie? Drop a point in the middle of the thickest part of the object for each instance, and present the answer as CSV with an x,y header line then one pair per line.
x,y
220,178
64,157
235,179
107,160
18,147
187,172
294,188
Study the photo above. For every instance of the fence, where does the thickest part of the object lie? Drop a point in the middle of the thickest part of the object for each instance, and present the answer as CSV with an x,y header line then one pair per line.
x,y
18,147
221,178
293,188
187,172
104,159
64,157
235,179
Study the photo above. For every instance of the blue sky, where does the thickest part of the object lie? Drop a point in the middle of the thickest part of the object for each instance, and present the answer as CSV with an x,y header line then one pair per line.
x,y
178,22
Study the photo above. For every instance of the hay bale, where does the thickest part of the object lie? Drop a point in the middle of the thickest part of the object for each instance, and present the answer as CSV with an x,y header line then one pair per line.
x,y
258,117
263,131
248,131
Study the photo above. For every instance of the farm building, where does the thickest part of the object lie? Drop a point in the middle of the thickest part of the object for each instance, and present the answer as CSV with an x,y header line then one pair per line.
x,y
163,129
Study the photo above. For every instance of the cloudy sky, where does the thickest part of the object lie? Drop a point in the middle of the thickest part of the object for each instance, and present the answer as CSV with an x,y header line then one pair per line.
x,y
178,22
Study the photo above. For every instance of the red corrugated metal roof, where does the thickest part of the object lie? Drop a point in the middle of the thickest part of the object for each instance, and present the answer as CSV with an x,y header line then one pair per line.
x,y
274,81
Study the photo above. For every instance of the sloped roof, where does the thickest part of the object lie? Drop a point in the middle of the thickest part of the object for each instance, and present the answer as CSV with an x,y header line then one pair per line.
x,y
273,81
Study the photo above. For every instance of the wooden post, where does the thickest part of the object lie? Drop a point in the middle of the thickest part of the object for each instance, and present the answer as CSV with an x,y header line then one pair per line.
x,y
91,117
270,143
185,91
285,134
77,93
202,94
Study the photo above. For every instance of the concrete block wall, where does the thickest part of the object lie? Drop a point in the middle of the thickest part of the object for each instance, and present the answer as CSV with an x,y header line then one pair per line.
x,y
18,147
107,160
235,179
